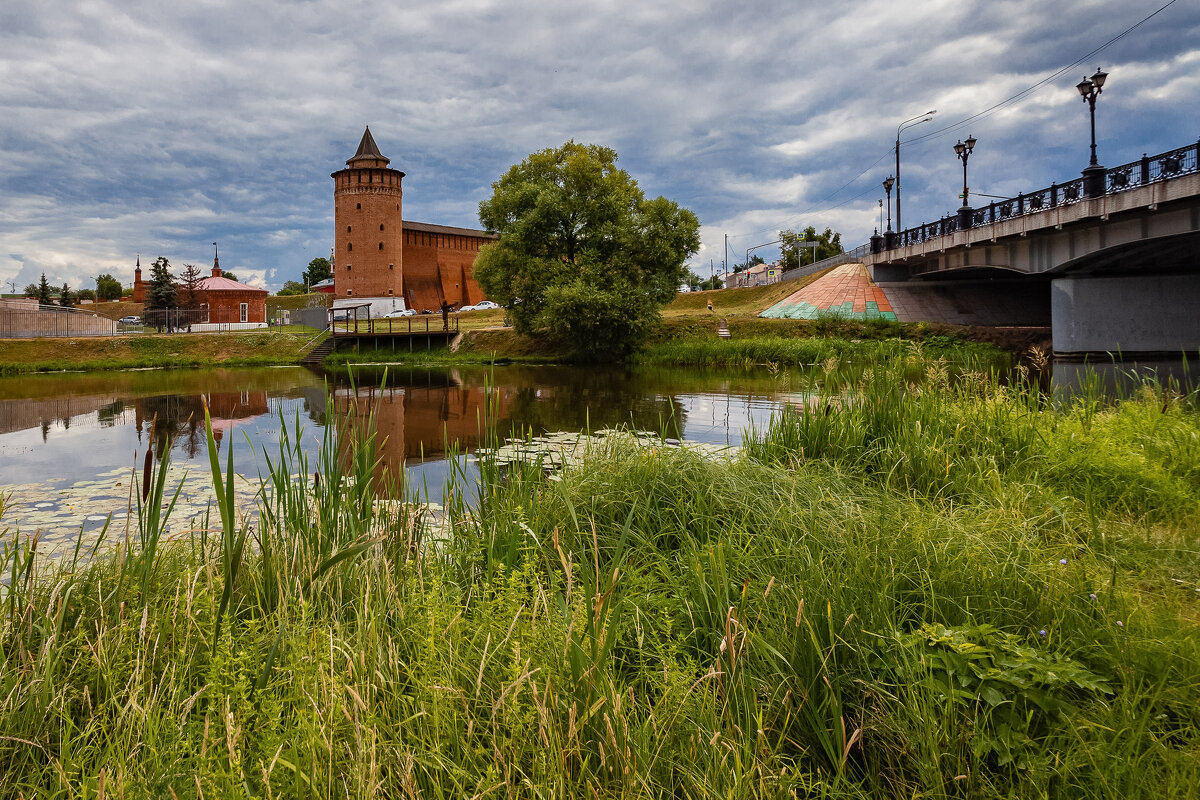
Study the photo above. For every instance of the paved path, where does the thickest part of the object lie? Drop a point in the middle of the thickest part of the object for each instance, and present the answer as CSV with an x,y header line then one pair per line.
x,y
846,291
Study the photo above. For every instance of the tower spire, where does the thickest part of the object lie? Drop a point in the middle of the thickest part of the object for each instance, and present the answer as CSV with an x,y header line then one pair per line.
x,y
216,273
368,150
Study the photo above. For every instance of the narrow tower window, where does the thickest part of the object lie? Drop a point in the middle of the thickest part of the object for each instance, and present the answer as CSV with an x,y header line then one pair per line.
x,y
349,246
381,245
347,229
359,206
381,226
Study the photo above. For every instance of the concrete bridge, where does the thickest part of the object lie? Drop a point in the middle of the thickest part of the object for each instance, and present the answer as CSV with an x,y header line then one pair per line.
x,y
1111,260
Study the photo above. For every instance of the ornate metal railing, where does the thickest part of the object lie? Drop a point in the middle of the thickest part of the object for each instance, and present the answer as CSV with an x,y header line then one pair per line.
x,y
1147,170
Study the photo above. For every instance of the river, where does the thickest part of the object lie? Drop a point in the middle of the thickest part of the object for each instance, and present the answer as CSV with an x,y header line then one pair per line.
x,y
69,442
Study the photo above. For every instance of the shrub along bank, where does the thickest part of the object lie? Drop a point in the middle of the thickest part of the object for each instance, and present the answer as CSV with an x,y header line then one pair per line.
x,y
273,346
904,587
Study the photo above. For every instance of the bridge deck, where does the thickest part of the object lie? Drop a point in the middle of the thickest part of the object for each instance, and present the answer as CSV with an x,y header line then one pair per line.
x,y
425,325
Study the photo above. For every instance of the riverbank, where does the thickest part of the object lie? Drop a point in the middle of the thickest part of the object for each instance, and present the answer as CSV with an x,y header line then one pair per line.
x,y
693,340
968,590
267,347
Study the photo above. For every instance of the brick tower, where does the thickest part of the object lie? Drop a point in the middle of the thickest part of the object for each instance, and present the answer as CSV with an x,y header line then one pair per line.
x,y
367,232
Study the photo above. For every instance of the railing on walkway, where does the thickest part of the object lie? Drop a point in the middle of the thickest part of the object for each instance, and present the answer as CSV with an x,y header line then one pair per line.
x,y
1147,170
396,326
28,321
847,257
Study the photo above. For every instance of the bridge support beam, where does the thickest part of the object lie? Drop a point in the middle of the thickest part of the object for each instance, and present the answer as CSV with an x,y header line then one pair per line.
x,y
1127,313
889,273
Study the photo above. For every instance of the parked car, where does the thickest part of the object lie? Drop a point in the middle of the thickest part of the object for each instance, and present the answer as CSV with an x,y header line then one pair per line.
x,y
130,320
402,312
486,305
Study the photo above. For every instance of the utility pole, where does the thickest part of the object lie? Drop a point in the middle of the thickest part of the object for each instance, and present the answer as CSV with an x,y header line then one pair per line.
x,y
727,253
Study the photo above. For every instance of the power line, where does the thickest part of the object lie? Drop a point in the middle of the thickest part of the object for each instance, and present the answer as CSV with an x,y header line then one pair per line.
x,y
987,112
978,116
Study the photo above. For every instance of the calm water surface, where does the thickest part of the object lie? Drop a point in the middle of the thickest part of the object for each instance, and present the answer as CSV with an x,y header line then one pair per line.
x,y
68,442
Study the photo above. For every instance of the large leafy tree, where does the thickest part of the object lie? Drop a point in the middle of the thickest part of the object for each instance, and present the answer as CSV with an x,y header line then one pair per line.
x,y
828,244
318,270
161,291
583,255
108,288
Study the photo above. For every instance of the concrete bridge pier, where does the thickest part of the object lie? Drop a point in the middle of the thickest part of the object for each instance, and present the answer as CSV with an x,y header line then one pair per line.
x,y
1131,314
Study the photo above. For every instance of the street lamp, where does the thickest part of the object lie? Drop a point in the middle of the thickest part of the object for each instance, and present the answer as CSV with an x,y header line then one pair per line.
x,y
908,123
963,151
1090,89
888,236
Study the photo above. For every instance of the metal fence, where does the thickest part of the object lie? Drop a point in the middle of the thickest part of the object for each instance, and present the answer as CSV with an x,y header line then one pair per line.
x,y
195,320
28,321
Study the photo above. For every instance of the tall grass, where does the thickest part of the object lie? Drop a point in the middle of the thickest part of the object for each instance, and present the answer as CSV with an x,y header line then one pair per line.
x,y
899,591
807,351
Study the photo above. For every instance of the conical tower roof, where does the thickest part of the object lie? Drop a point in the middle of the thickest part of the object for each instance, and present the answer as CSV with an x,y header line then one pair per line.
x,y
368,150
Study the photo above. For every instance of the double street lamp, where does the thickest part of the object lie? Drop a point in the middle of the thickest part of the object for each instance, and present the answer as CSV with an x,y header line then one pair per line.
x,y
963,151
1093,176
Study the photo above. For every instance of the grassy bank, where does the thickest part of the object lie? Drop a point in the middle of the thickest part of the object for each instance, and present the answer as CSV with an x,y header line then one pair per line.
x,y
934,589
267,347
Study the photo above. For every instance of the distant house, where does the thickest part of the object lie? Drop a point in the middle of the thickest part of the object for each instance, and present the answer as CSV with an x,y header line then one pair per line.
x,y
324,287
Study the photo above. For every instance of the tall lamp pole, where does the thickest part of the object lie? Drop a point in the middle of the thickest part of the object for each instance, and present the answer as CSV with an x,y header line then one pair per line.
x,y
963,151
1093,176
908,123
889,237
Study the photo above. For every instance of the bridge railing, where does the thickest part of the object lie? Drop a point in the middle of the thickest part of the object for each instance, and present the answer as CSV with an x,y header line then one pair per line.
x,y
847,257
1147,170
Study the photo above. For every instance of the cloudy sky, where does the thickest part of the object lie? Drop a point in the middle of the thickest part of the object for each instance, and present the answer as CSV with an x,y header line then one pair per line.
x,y
159,127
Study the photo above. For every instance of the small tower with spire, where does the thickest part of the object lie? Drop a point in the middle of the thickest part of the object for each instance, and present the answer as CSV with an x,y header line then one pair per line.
x,y
368,233
139,288
216,273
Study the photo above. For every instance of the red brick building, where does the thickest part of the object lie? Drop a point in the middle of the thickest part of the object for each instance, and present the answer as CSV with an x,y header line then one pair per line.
x,y
222,301
379,254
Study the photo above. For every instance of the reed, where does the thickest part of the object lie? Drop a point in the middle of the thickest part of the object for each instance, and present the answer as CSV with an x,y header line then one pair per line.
x,y
941,587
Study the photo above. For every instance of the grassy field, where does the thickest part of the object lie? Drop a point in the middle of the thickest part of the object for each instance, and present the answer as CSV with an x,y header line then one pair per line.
x,y
271,346
906,587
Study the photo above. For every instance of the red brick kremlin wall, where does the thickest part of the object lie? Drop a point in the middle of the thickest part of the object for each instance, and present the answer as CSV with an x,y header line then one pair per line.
x,y
377,254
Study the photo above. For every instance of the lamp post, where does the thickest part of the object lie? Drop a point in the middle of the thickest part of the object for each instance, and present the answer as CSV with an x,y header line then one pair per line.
x,y
963,151
908,123
1093,176
888,236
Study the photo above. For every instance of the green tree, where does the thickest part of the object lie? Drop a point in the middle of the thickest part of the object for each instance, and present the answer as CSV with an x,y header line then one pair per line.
x,y
754,261
582,254
189,287
161,291
292,288
319,269
43,291
31,290
227,274
108,288
829,244
86,294
65,298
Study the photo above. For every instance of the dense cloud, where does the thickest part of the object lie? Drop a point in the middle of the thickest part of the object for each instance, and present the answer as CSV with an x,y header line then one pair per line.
x,y
157,128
